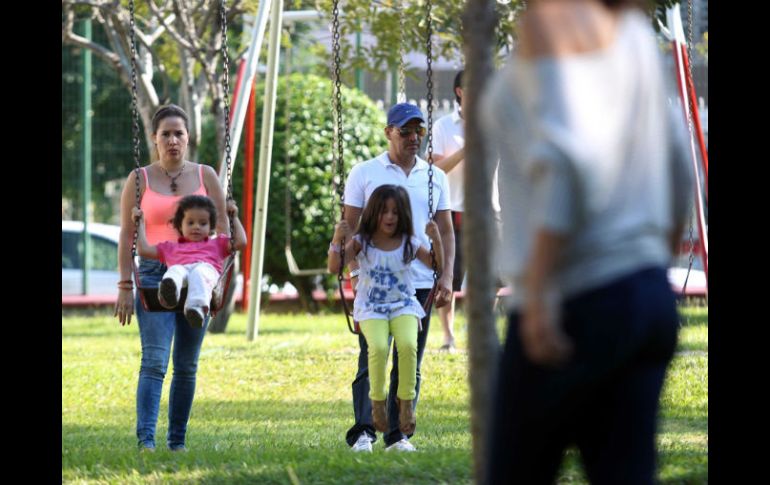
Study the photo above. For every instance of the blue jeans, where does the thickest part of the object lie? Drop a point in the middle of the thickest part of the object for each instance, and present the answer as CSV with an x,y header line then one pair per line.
x,y
362,405
604,400
157,330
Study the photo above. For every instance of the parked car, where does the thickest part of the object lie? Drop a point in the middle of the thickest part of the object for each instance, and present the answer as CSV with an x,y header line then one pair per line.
x,y
103,275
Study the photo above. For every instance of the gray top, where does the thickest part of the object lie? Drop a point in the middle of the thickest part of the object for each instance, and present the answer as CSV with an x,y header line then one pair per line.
x,y
590,147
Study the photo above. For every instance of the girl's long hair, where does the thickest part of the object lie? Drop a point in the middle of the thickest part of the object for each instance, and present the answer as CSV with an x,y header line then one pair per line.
x,y
370,218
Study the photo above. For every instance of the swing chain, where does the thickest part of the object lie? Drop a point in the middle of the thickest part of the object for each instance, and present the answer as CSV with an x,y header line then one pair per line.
x,y
134,114
287,147
429,61
226,94
337,152
691,111
401,97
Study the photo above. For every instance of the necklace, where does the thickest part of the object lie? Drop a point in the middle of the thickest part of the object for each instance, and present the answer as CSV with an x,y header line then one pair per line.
x,y
173,179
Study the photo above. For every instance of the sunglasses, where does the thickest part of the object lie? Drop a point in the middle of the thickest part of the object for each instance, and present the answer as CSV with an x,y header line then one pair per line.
x,y
418,130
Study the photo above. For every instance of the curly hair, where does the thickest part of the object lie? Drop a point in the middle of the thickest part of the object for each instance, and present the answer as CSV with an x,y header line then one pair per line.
x,y
194,202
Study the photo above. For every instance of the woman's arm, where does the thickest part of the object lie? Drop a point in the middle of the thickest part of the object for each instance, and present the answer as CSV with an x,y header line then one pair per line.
x,y
124,307
214,191
143,247
541,333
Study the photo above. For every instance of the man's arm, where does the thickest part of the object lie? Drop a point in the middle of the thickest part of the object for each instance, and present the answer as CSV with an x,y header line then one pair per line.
x,y
444,221
448,163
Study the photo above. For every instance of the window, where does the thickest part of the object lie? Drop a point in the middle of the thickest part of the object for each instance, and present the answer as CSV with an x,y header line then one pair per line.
x,y
104,252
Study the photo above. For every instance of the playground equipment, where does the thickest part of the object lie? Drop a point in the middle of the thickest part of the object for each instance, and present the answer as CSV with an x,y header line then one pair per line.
x,y
149,295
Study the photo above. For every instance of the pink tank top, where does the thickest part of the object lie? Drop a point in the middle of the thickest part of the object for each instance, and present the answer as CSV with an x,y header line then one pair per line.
x,y
159,209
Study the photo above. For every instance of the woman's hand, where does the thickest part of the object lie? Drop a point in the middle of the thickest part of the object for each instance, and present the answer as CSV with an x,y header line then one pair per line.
x,y
124,307
232,208
136,215
543,339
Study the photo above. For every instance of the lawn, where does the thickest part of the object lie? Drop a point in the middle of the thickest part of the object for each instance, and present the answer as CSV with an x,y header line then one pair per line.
x,y
276,410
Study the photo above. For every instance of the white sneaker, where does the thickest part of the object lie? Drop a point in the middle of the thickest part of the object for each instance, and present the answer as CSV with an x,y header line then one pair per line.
x,y
364,443
403,445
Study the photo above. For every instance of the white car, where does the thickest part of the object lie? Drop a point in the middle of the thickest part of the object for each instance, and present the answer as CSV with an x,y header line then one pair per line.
x,y
103,276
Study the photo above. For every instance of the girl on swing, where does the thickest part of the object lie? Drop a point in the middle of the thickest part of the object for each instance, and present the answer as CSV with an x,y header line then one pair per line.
x,y
385,303
194,260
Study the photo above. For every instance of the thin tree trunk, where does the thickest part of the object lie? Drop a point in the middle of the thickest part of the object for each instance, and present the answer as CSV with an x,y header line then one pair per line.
x,y
478,228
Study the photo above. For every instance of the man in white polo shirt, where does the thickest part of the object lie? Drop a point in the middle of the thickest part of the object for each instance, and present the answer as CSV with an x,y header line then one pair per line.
x,y
400,165
449,155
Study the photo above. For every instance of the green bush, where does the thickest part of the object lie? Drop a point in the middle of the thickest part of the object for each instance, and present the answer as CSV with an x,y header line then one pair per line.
x,y
314,206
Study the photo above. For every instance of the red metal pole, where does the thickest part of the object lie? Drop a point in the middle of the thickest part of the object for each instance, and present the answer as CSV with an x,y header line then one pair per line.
x,y
248,189
698,200
696,121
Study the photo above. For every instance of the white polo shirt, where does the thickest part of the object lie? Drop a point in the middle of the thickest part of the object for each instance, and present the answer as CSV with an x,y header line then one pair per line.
x,y
366,176
448,138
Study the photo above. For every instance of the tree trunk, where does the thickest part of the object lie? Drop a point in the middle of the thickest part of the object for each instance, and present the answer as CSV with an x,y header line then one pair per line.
x,y
478,228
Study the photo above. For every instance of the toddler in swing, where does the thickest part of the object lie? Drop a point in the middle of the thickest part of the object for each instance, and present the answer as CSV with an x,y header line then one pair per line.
x,y
385,303
195,260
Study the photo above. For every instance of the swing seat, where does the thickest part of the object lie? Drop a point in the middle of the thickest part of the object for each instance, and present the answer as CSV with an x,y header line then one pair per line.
x,y
151,303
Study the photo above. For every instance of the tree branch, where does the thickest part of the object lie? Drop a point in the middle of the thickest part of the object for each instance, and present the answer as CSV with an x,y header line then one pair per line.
x,y
158,31
90,3
178,38
70,37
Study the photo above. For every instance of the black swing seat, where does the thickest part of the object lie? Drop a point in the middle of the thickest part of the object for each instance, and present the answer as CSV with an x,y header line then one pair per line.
x,y
151,303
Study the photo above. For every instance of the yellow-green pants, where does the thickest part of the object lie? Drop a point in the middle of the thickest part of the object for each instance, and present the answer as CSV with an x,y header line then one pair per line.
x,y
404,331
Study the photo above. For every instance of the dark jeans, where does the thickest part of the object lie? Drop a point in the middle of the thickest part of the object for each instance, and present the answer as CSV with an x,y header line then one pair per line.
x,y
605,400
362,405
157,331
459,264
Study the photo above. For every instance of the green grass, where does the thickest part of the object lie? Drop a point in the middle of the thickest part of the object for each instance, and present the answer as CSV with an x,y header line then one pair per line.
x,y
276,410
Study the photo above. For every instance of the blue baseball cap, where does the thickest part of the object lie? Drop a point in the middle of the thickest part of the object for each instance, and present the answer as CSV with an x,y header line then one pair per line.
x,y
401,113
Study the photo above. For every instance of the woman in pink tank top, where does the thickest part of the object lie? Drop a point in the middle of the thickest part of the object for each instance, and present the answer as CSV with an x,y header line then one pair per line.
x,y
161,185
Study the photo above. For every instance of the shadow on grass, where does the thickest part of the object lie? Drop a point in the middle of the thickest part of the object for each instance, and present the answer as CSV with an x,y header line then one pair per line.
x,y
257,441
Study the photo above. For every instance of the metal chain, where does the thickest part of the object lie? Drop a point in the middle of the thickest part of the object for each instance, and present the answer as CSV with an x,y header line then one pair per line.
x,y
287,146
429,61
226,94
134,115
691,110
337,152
401,96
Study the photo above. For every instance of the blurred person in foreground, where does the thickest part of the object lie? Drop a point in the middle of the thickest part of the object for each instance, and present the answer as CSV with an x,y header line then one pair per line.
x,y
594,159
